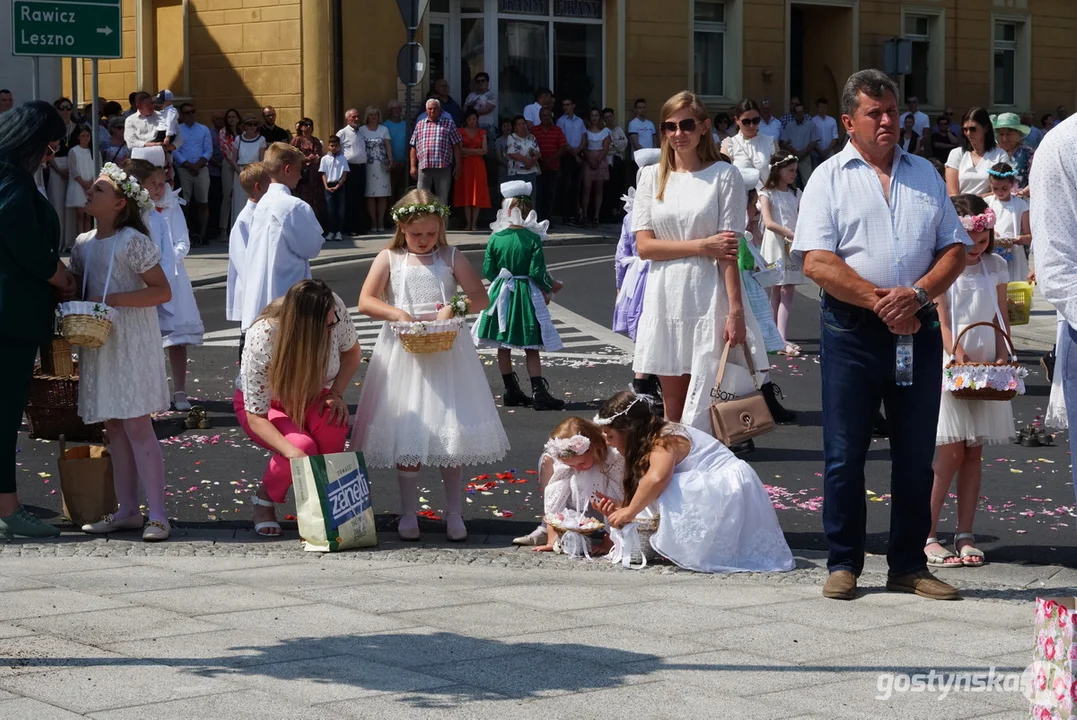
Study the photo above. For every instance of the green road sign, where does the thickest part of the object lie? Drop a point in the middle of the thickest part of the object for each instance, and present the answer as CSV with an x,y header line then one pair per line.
x,y
67,28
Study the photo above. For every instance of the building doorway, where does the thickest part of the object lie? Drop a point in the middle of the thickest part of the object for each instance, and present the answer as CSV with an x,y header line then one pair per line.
x,y
823,50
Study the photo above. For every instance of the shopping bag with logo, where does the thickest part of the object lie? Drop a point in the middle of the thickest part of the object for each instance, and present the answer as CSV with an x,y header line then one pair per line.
x,y
1052,691
332,498
86,482
738,416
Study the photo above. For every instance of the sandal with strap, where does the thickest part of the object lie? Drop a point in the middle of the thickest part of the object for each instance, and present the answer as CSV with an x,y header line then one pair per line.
x,y
938,559
971,556
260,528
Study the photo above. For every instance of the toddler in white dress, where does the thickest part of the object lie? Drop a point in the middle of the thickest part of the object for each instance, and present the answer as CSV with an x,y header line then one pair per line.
x,y
1013,229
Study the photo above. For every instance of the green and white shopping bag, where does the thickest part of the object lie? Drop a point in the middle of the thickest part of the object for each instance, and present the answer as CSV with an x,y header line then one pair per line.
x,y
332,497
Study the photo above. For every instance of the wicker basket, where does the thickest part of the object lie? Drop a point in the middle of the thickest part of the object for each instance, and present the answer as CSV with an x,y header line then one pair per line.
x,y
561,530
53,410
56,358
646,527
427,337
86,330
1013,369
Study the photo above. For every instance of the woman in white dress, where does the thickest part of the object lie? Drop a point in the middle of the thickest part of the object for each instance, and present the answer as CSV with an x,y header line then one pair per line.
x,y
379,155
967,166
750,148
965,426
779,204
689,214
714,515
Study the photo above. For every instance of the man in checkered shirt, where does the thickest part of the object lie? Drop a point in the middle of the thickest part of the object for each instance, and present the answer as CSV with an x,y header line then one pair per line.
x,y
435,151
882,239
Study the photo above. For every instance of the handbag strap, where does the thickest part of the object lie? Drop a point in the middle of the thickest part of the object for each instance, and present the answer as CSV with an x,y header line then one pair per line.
x,y
725,358
108,275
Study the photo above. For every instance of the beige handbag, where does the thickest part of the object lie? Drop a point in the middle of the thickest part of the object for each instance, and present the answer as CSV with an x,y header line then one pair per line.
x,y
737,419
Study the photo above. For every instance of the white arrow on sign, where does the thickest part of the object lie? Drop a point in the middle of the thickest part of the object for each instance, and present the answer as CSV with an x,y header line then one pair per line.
x,y
106,31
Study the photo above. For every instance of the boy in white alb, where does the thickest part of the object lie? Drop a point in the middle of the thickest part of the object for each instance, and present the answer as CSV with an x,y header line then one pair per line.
x,y
333,170
255,181
285,235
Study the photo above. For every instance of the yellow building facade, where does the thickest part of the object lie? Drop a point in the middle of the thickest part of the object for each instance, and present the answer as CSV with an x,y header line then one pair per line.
x,y
1003,54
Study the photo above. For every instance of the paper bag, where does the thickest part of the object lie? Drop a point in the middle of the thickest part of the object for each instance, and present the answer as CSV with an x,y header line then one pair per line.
x,y
86,482
1051,690
332,498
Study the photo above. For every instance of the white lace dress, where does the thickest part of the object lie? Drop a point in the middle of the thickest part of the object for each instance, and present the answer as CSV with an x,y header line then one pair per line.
x,y
426,409
715,514
569,489
784,208
973,298
124,378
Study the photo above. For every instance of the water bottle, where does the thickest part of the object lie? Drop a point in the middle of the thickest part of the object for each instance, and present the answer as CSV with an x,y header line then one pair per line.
x,y
903,361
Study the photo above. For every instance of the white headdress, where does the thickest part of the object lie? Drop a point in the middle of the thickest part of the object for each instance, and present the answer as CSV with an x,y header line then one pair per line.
x,y
509,215
567,448
647,156
601,421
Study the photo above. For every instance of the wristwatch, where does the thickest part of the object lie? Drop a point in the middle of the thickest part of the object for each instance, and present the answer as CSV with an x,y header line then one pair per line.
x,y
921,295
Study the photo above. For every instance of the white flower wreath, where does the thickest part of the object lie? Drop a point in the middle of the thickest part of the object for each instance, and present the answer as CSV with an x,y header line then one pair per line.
x,y
128,185
401,214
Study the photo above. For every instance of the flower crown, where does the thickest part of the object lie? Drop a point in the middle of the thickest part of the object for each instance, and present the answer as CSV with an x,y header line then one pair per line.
x,y
401,214
567,448
601,421
128,185
783,162
1001,175
979,223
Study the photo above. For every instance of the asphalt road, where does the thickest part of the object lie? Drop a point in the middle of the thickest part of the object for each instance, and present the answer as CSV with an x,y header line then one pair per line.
x,y
1026,499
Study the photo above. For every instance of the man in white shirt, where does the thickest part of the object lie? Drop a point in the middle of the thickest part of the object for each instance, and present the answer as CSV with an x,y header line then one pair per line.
x,y
575,131
1054,243
285,236
827,127
484,100
641,131
881,238
768,124
140,130
354,147
543,98
921,121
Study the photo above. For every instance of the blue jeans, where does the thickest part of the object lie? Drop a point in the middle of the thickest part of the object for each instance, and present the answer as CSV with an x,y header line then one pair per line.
x,y
335,205
1066,361
857,359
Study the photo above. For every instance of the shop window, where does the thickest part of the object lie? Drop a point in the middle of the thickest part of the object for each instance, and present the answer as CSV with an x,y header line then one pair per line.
x,y
710,47
925,29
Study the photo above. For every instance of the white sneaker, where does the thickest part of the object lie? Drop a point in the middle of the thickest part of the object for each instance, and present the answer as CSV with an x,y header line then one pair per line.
x,y
327,237
338,237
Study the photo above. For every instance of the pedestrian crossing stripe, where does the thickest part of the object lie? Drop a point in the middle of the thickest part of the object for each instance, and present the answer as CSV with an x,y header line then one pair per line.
x,y
583,339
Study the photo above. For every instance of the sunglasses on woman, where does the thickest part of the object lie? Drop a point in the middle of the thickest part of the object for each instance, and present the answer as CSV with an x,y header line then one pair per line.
x,y
751,121
971,128
688,125
66,108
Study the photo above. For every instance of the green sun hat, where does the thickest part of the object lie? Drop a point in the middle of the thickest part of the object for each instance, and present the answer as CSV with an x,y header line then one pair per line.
x,y
1010,121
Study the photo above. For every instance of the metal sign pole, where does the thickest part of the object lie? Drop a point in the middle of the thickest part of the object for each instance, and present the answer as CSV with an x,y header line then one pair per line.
x,y
35,86
95,120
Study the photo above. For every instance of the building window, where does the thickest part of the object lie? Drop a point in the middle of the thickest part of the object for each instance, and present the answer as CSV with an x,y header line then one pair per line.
x,y
924,28
709,43
1006,46
917,29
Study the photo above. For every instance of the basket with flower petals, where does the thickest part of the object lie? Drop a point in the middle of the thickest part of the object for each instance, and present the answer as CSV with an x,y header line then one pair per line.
x,y
431,336
984,380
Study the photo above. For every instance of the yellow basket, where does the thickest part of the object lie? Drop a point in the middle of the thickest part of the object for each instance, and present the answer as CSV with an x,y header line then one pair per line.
x,y
86,330
1019,302
429,342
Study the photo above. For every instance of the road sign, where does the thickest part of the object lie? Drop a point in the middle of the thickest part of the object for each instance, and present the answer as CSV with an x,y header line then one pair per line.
x,y
67,28
409,10
411,64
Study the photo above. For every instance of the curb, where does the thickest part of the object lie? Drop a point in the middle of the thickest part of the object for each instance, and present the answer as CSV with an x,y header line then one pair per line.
x,y
364,254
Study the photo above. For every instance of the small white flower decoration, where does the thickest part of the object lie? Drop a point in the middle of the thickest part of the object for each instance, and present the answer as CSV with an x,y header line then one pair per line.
x,y
128,186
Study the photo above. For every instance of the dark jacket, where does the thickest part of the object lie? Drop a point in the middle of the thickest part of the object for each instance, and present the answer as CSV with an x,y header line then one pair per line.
x,y
29,242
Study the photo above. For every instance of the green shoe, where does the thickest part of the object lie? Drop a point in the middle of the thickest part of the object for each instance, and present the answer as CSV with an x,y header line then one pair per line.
x,y
22,524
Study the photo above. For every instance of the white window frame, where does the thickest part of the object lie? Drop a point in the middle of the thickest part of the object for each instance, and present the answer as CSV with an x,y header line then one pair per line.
x,y
733,64
1022,69
936,39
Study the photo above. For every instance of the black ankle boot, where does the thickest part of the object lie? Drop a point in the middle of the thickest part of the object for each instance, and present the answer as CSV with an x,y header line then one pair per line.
x,y
543,400
514,396
779,413
741,449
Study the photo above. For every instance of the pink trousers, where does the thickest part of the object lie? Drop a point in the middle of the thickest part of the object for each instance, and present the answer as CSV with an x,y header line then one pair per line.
x,y
319,438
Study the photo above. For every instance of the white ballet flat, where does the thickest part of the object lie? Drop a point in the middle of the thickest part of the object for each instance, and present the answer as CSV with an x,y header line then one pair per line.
x,y
156,531
109,524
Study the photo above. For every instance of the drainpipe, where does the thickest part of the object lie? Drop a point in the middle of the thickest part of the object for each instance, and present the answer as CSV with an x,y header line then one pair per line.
x,y
337,13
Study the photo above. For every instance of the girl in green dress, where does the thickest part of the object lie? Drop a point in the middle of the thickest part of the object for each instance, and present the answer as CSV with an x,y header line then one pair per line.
x,y
520,290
